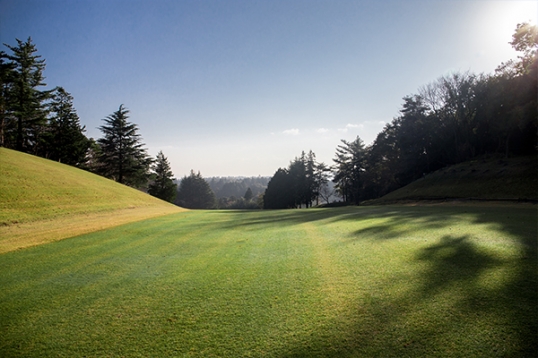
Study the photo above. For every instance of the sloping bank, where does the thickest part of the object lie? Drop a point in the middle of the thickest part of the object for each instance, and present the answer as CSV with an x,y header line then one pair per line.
x,y
43,201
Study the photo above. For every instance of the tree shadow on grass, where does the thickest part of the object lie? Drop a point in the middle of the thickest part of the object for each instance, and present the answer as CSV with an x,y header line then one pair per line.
x,y
474,321
468,310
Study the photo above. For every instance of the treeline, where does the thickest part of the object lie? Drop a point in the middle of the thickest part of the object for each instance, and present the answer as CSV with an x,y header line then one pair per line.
x,y
238,192
45,123
299,185
453,119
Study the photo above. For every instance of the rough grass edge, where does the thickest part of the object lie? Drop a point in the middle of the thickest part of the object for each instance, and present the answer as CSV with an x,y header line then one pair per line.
x,y
24,235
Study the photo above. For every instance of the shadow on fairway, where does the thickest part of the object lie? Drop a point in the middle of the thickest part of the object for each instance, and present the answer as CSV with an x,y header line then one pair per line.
x,y
451,261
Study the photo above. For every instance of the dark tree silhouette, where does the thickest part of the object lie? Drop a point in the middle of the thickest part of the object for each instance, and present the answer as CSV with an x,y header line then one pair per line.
x,y
122,156
194,193
162,186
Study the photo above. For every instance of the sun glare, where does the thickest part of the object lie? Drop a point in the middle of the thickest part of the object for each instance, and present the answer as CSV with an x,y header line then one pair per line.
x,y
502,17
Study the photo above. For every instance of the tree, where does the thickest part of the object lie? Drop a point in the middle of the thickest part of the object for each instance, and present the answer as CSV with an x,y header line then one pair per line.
x,y
525,41
279,193
296,186
248,194
321,187
25,102
298,181
163,187
350,163
6,90
64,135
194,193
122,156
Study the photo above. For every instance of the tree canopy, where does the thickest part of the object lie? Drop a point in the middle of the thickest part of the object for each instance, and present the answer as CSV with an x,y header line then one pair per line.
x,y
298,185
162,186
455,118
122,156
23,103
194,193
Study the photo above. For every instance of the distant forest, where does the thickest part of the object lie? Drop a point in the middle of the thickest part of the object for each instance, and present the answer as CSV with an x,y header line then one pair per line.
x,y
453,119
238,192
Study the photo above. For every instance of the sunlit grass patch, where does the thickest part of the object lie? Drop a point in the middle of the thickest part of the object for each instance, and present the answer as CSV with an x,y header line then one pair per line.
x,y
43,201
373,281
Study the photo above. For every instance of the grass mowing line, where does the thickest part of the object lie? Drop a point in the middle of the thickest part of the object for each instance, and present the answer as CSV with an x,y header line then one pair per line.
x,y
19,236
271,284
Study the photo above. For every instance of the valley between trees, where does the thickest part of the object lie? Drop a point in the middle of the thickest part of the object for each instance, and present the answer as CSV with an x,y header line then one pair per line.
x,y
457,118
89,267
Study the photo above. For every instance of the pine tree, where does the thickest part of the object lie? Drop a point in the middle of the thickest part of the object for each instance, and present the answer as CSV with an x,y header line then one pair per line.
x,y
350,159
280,191
195,193
26,102
65,139
248,194
7,74
122,156
162,186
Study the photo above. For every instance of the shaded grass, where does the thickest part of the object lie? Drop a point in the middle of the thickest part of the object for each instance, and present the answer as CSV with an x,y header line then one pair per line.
x,y
372,281
43,201
482,179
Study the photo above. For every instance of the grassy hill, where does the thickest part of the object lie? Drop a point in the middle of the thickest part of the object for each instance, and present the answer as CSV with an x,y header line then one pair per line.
x,y
43,201
481,179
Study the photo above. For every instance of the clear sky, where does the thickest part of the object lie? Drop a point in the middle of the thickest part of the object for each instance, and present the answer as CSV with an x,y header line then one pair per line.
x,y
240,88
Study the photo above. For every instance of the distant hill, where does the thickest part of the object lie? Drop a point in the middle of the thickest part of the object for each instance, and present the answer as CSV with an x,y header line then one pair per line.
x,y
42,201
513,179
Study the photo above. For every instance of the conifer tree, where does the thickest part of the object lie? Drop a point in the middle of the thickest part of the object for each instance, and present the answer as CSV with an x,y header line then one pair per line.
x,y
248,194
122,156
195,193
65,139
26,102
6,89
350,159
162,186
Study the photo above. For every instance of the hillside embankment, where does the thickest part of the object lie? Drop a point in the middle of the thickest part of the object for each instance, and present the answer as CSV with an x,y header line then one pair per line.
x,y
480,180
43,201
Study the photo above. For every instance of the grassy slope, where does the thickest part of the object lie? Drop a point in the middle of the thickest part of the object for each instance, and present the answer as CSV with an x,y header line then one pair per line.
x,y
358,281
42,200
484,179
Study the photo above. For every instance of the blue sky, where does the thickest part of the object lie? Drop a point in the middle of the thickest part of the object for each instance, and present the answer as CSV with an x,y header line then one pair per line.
x,y
240,88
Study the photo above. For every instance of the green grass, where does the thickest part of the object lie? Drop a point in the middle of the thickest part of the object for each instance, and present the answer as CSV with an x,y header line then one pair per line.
x,y
482,179
393,281
43,200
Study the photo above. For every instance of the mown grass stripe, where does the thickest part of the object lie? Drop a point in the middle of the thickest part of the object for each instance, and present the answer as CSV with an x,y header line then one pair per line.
x,y
392,281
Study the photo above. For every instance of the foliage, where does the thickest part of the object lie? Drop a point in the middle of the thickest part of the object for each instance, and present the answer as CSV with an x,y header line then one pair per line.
x,y
434,281
228,187
350,159
64,135
298,185
231,192
23,104
454,119
162,186
122,156
279,193
195,193
248,194
7,122
42,123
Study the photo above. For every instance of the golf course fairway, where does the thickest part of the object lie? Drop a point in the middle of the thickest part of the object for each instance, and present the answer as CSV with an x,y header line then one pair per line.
x,y
385,281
